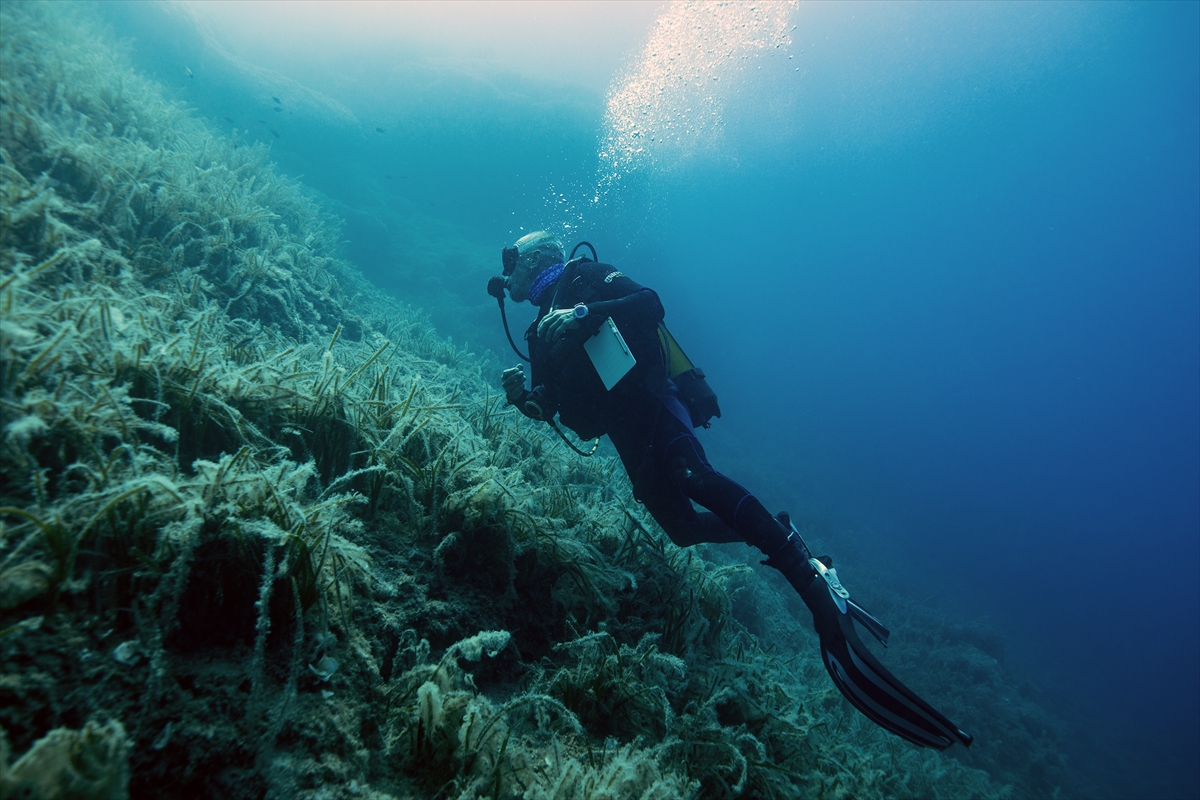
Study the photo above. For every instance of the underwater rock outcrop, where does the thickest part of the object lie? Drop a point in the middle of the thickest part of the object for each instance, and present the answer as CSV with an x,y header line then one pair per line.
x,y
265,519
88,764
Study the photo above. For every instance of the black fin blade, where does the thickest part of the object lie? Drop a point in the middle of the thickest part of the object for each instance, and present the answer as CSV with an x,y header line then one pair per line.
x,y
880,695
868,621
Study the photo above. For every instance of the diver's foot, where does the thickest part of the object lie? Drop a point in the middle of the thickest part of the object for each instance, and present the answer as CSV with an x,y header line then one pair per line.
x,y
785,519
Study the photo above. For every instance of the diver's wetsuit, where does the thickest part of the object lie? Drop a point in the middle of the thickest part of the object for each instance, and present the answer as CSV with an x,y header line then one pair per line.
x,y
641,414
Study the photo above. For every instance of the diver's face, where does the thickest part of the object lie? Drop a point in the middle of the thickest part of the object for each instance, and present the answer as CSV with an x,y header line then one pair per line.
x,y
523,275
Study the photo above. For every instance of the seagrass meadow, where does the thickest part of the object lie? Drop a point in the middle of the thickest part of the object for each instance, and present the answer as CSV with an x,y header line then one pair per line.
x,y
265,533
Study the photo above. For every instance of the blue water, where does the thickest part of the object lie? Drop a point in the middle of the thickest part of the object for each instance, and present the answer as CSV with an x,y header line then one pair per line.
x,y
941,263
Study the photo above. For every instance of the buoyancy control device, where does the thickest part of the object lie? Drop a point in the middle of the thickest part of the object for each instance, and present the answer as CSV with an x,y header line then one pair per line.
x,y
694,391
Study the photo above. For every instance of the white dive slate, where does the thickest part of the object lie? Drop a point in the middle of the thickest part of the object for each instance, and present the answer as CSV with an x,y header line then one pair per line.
x,y
609,354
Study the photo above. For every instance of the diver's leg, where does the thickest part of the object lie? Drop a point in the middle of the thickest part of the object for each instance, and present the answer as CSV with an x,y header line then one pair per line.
x,y
713,530
669,470
654,486
744,518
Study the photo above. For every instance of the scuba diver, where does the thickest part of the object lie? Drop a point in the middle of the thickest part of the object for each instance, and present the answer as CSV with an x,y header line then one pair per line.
x,y
603,362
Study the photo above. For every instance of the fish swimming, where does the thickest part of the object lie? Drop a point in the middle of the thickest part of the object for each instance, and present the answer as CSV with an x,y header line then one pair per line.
x,y
380,130
276,99
262,122
228,119
273,133
189,72
278,109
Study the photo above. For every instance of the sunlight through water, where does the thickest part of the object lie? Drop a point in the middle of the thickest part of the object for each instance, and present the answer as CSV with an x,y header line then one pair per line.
x,y
668,106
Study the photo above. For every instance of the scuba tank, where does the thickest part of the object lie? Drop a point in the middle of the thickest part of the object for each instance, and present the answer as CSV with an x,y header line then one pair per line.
x,y
694,391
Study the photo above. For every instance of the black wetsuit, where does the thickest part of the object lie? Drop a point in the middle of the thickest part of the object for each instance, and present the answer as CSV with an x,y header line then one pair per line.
x,y
641,414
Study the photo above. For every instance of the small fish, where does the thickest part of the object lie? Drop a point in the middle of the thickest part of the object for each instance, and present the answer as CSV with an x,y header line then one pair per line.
x,y
380,130
228,119
276,99
262,122
273,133
389,177
277,110
189,72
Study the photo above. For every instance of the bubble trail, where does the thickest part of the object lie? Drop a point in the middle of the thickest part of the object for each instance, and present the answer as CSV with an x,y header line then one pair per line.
x,y
668,106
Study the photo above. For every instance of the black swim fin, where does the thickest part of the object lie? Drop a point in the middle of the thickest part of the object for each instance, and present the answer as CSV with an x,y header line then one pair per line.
x,y
856,672
867,684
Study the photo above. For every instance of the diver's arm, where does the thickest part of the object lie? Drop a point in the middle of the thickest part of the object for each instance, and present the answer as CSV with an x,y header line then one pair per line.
x,y
637,310
641,308
610,295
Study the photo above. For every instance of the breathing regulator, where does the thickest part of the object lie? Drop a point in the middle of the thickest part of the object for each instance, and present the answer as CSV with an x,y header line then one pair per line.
x,y
498,283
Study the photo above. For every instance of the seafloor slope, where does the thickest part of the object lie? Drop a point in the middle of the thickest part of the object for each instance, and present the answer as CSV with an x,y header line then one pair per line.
x,y
264,533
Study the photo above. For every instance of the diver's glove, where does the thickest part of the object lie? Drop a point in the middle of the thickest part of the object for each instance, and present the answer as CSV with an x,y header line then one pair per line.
x,y
858,675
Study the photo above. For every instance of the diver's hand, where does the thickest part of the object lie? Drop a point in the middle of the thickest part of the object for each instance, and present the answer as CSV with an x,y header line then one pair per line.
x,y
556,323
513,381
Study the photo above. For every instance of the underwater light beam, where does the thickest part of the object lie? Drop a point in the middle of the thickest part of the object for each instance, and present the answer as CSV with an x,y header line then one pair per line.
x,y
668,108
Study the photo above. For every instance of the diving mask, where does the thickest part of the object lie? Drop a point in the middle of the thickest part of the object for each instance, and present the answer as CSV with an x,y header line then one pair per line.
x,y
509,257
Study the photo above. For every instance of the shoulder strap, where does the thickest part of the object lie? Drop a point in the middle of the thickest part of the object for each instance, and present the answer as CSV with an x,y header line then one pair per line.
x,y
565,279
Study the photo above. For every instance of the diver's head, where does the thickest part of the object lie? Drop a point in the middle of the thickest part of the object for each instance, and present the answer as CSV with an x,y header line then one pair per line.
x,y
529,256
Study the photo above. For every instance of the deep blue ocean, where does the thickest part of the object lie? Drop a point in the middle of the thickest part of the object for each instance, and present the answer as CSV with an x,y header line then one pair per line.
x,y
941,263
